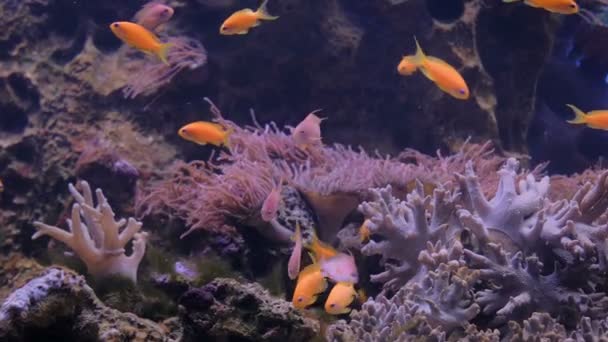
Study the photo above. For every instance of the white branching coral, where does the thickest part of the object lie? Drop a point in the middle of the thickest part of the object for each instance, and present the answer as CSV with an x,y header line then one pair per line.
x,y
99,241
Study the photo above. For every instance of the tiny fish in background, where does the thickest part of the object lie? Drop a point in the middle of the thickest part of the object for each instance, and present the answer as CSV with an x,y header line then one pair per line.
x,y
340,268
1,186
444,75
241,21
407,67
308,131
364,232
321,250
203,132
271,204
341,297
597,119
555,6
140,38
153,14
310,283
293,266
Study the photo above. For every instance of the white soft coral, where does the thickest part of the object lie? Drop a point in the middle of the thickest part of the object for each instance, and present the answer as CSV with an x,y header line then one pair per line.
x,y
98,240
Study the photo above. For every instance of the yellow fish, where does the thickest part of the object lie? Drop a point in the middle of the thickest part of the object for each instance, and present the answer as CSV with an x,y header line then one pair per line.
x,y
320,249
310,283
241,21
597,119
555,6
140,38
444,75
341,297
203,132
364,232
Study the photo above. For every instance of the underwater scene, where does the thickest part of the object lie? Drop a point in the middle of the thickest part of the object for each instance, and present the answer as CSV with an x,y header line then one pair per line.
x,y
304,170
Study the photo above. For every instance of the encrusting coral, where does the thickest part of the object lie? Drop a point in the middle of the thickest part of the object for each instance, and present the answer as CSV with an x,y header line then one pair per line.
x,y
99,241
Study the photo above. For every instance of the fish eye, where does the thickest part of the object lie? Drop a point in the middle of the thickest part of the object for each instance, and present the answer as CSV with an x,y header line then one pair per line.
x,y
184,130
462,91
332,305
166,10
116,25
300,299
573,5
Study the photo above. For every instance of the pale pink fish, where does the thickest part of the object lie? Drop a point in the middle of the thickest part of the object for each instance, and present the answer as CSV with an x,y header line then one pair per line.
x,y
308,132
293,266
153,14
340,268
270,207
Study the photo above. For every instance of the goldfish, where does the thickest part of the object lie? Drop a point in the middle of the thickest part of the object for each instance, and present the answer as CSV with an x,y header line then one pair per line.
x,y
293,266
140,38
597,119
308,131
270,207
555,6
340,268
203,132
320,250
364,232
240,22
310,283
153,14
444,75
341,297
407,67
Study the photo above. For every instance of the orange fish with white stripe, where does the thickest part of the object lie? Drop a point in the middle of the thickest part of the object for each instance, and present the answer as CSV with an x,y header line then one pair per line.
x,y
140,38
445,76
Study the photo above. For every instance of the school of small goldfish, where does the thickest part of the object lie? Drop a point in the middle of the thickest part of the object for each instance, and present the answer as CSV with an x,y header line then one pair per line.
x,y
327,263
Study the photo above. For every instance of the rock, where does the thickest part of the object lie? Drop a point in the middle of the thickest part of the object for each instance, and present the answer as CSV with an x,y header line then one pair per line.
x,y
227,309
58,304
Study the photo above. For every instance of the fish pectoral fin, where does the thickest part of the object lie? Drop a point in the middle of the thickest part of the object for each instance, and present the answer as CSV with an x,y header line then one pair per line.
x,y
243,32
256,24
427,73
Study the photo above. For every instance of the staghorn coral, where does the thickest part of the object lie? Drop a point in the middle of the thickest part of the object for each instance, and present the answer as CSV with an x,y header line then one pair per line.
x,y
99,241
404,227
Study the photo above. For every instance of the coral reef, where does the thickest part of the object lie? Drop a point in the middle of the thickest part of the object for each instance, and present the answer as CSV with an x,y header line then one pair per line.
x,y
226,309
99,241
39,309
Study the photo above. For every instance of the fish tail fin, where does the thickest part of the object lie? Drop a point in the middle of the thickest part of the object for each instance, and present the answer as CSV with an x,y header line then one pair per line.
x,y
163,52
419,57
579,116
226,141
263,12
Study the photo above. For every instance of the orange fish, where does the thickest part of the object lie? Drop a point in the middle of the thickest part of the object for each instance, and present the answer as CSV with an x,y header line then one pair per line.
x,y
308,131
310,283
203,132
153,14
444,75
240,22
597,119
320,249
407,67
364,232
140,38
341,297
555,6
293,266
270,207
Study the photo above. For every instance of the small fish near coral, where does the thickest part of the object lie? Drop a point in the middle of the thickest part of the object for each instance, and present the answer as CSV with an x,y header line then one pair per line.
x,y
203,133
140,38
445,76
240,22
293,266
555,6
341,297
309,285
597,119
271,204
308,132
153,14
